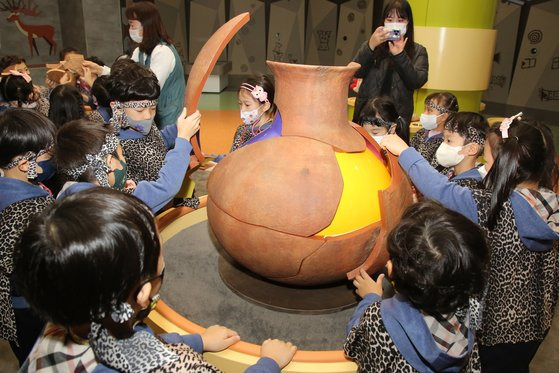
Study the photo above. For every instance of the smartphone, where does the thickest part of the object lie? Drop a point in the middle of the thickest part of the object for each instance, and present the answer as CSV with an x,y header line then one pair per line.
x,y
394,35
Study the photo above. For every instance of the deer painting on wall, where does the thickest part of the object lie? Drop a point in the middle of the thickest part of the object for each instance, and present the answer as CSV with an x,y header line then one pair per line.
x,y
32,32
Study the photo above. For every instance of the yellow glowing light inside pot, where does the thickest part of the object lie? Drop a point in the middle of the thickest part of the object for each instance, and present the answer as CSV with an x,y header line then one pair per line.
x,y
364,175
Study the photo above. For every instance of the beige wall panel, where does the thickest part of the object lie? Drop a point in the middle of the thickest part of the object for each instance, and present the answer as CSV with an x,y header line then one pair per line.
x,y
536,77
321,32
173,16
286,38
206,16
354,27
247,49
506,24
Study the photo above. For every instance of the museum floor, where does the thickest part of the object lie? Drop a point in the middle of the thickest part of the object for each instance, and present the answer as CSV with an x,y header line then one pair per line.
x,y
220,116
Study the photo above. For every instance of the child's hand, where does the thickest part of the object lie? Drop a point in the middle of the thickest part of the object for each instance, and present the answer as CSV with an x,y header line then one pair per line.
x,y
394,144
364,284
217,338
279,351
188,126
93,67
130,184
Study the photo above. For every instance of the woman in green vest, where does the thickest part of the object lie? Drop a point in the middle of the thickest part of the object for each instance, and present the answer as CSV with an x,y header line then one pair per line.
x,y
156,51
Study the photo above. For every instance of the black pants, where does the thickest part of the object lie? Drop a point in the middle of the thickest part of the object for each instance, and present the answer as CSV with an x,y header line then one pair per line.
x,y
29,328
508,357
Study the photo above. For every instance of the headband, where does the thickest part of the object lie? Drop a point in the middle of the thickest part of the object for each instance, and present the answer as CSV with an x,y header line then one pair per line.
x,y
24,75
32,158
120,119
256,91
438,107
376,121
472,133
97,162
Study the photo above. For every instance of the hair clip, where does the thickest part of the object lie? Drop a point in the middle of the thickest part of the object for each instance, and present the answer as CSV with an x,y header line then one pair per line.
x,y
25,76
505,124
121,312
256,91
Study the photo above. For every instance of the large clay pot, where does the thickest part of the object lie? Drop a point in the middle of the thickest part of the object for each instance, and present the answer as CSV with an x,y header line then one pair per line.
x,y
314,204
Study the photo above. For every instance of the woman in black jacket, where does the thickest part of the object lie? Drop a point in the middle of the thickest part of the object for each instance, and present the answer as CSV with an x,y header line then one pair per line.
x,y
392,64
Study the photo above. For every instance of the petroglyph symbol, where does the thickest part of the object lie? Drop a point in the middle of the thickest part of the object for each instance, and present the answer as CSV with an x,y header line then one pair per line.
x,y
555,63
549,95
323,39
498,80
528,63
535,36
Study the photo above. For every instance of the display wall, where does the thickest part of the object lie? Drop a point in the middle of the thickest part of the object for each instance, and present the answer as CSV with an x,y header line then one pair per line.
x,y
526,74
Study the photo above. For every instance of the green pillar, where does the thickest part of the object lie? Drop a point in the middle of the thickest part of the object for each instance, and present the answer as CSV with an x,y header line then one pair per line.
x,y
453,13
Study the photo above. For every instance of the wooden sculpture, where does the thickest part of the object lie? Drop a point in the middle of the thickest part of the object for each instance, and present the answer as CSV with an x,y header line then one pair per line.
x,y
204,64
313,205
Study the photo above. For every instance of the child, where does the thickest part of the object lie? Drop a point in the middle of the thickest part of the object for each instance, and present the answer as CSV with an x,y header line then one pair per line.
x,y
66,104
256,102
135,91
464,138
100,94
379,117
438,107
18,91
97,281
25,138
437,261
491,148
519,213
90,154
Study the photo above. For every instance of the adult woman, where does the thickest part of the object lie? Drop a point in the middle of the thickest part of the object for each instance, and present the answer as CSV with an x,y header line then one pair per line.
x,y
392,66
156,51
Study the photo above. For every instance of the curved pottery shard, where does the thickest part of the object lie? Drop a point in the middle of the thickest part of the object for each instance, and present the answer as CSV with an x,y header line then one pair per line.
x,y
204,64
309,83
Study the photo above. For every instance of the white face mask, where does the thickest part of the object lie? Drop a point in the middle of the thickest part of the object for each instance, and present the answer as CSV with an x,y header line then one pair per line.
x,y
136,34
29,105
378,138
429,121
482,171
447,156
400,26
251,116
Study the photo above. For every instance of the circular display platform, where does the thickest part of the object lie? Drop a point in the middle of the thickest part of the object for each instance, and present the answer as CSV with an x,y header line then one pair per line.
x,y
195,297
280,297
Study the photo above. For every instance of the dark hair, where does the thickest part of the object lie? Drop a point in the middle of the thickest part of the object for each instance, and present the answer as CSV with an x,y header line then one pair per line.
x,y
439,257
91,248
10,60
494,138
15,88
66,104
445,99
153,28
66,51
462,122
75,140
95,59
403,9
100,89
528,154
21,131
267,83
384,106
133,83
